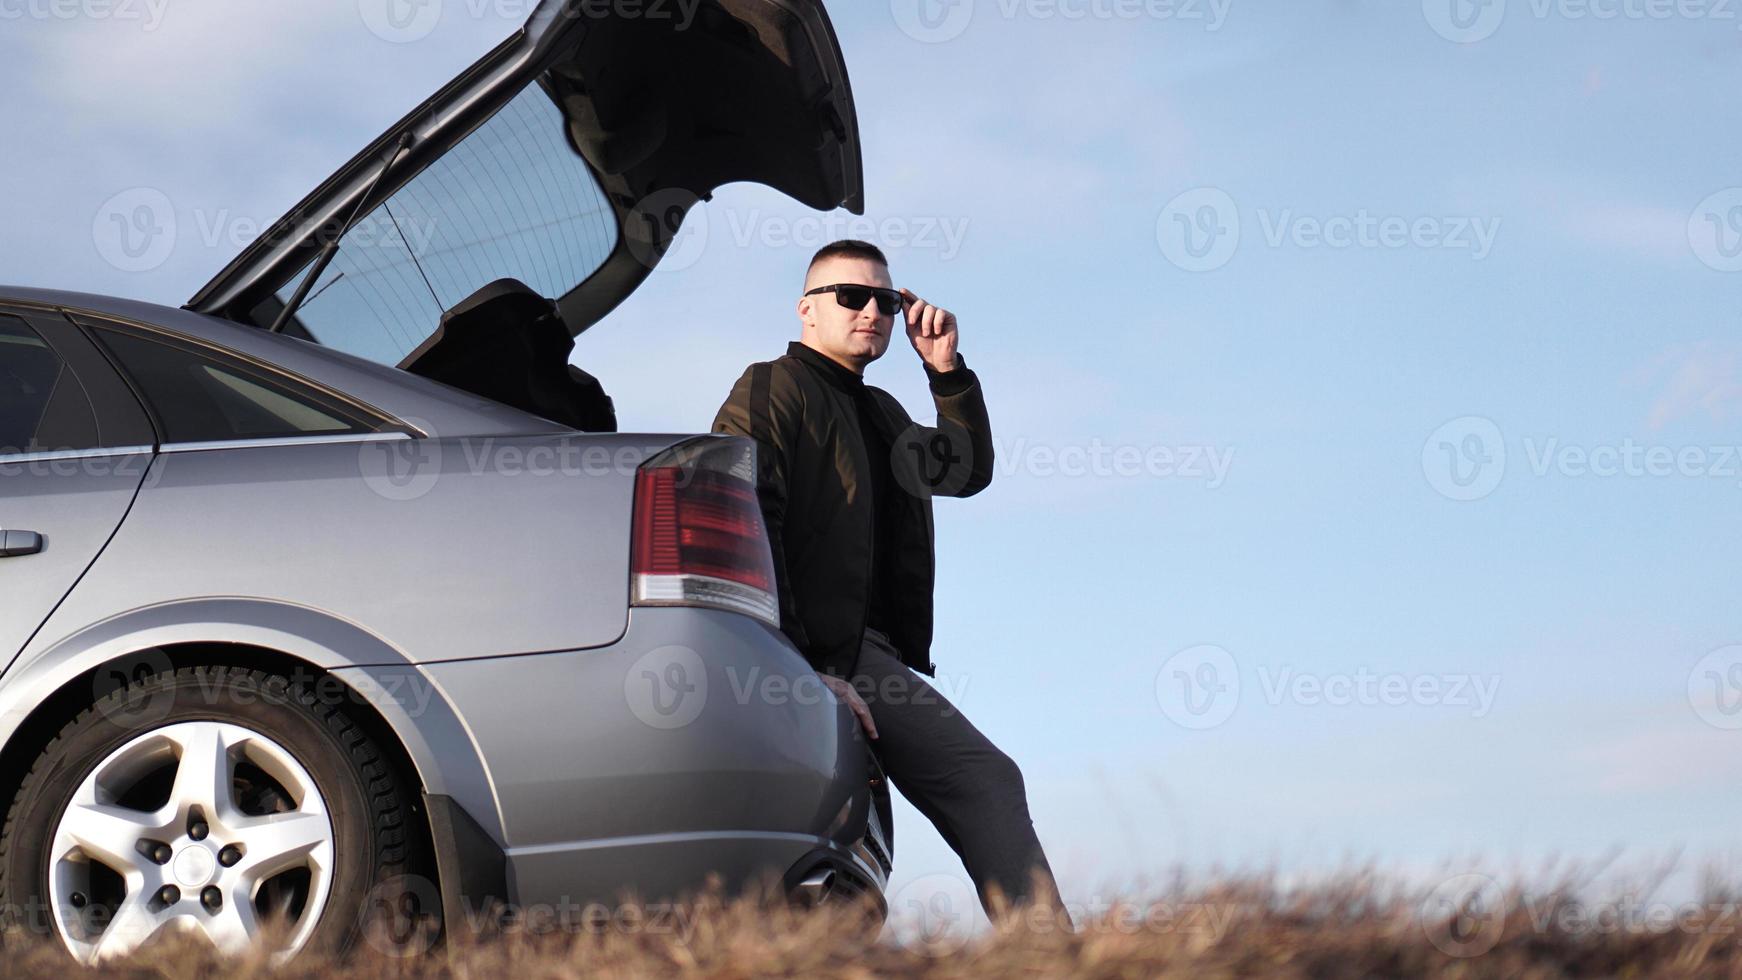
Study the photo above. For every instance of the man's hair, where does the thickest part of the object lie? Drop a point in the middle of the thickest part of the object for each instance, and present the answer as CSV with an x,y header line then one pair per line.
x,y
849,248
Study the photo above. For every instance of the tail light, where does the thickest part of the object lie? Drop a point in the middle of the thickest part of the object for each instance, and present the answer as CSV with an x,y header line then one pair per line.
x,y
698,537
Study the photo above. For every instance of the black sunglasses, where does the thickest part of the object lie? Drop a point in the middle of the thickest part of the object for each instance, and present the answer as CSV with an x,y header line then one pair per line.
x,y
853,297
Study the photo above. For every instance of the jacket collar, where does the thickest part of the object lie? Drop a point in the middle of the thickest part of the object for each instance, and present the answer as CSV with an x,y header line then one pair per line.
x,y
841,377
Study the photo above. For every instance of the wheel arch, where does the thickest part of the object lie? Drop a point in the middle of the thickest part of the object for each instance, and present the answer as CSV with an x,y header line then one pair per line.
x,y
400,707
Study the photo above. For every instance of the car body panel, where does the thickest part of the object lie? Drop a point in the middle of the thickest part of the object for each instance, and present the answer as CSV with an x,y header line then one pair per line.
x,y
446,549
73,497
631,752
75,501
700,732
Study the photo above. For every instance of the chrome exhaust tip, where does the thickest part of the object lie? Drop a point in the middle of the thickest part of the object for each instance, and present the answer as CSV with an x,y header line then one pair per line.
x,y
817,887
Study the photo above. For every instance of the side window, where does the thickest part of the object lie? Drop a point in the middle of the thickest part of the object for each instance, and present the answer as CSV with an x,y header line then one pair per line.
x,y
199,396
42,405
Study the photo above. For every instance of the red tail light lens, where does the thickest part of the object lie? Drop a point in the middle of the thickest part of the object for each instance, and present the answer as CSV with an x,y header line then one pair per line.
x,y
698,536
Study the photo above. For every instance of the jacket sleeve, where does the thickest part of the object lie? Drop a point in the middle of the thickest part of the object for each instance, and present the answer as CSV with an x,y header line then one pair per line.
x,y
963,421
757,411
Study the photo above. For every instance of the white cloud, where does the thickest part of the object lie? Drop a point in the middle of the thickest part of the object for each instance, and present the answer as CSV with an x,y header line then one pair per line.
x,y
1703,378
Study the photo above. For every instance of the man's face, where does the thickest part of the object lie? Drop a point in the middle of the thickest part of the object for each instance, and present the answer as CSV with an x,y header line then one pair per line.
x,y
852,337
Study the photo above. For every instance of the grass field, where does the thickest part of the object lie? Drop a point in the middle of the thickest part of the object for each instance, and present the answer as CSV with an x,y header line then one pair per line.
x,y
1359,926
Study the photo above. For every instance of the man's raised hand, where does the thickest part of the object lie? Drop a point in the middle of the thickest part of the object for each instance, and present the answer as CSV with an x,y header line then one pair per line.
x,y
932,330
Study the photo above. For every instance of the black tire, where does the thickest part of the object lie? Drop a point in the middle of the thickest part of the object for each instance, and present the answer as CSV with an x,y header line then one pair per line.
x,y
370,810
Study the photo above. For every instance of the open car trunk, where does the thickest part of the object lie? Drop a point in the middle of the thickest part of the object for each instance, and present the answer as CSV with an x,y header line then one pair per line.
x,y
563,160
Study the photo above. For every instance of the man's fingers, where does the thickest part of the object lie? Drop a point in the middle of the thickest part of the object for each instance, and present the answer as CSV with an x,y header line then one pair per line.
x,y
864,713
846,693
915,307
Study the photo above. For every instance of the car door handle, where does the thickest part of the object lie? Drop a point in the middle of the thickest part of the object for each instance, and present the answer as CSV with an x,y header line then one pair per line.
x,y
16,543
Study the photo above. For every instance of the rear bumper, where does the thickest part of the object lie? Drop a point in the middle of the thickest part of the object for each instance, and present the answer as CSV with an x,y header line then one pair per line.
x,y
699,745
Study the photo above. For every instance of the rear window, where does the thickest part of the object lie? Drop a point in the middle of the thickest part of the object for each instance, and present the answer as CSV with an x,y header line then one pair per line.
x,y
42,405
201,397
511,200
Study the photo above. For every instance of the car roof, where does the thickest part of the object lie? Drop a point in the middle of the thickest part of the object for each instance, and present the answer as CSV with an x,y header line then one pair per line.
x,y
429,406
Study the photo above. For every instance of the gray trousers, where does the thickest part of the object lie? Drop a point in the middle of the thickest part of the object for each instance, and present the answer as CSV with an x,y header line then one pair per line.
x,y
972,792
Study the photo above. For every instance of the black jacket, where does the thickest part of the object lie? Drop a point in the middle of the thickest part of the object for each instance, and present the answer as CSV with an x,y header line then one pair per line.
x,y
816,480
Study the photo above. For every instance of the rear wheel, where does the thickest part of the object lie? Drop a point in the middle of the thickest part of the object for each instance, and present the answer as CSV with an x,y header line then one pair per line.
x,y
227,802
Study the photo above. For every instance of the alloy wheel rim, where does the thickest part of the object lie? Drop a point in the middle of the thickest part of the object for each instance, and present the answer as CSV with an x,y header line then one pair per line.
x,y
203,826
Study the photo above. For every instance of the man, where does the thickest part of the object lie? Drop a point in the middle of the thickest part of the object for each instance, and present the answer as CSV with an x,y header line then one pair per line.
x,y
845,480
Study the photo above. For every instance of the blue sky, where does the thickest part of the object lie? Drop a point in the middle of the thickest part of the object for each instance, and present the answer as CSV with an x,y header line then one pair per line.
x,y
1538,219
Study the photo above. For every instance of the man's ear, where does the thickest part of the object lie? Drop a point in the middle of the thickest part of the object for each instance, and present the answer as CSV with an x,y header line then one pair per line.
x,y
806,310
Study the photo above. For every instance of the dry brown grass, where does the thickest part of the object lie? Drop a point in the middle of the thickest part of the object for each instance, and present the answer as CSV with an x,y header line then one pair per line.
x,y
1359,926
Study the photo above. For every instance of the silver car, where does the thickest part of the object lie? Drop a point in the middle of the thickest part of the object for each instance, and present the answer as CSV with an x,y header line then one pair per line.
x,y
335,588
